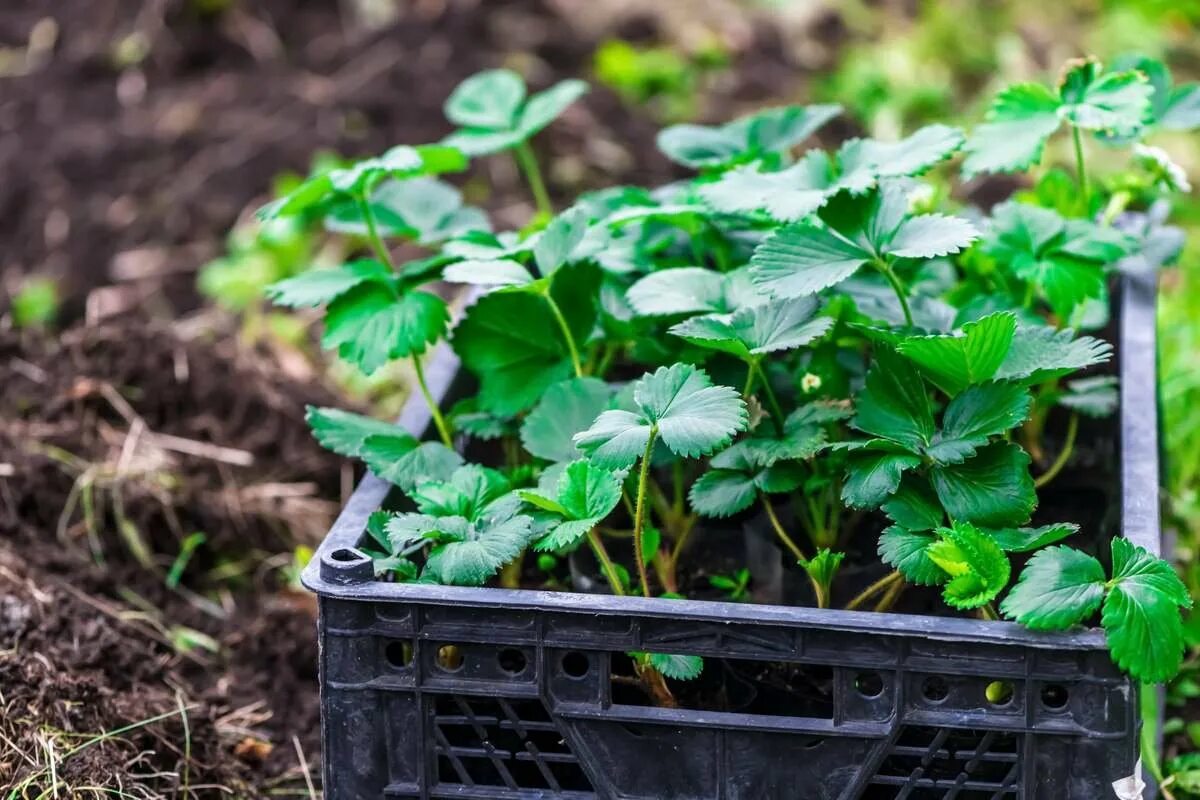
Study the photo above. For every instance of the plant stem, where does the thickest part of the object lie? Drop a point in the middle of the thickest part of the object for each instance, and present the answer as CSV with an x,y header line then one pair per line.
x,y
779,529
528,163
1080,174
373,237
1064,455
875,588
606,563
772,401
889,599
897,287
639,514
566,332
439,422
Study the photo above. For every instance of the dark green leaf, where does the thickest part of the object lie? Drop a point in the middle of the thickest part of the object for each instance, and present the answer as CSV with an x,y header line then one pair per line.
x,y
1058,588
564,410
993,489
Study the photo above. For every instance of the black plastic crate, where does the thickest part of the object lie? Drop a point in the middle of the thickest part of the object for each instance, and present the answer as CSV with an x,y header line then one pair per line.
x,y
439,692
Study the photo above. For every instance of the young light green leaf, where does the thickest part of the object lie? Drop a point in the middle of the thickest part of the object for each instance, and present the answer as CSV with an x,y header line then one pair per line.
x,y
977,567
565,409
372,323
955,361
993,489
1058,588
768,328
822,568
680,405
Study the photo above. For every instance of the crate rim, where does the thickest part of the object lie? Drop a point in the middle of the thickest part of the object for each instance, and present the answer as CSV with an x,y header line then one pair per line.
x,y
1136,355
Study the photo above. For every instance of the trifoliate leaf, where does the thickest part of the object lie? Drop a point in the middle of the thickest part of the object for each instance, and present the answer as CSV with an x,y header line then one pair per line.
x,y
493,113
993,488
691,416
584,496
679,668
803,259
471,555
894,404
1141,613
768,328
467,493
344,432
979,412
398,461
692,290
977,567
1041,353
910,156
1096,396
1111,102
1058,588
514,344
906,551
788,195
319,286
773,130
737,475
565,409
822,568
559,240
425,210
1025,540
373,322
958,360
1021,119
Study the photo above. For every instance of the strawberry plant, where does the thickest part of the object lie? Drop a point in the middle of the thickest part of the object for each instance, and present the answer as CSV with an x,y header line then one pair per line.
x,y
819,344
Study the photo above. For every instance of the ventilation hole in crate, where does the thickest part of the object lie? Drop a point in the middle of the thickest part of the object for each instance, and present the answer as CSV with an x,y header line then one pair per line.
x,y
935,689
999,693
1055,697
498,742
738,685
941,763
346,555
576,664
399,653
869,684
512,661
449,657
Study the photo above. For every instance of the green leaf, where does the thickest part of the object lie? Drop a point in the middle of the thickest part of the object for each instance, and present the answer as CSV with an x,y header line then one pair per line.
x,y
1115,102
584,496
565,409
1025,540
679,668
873,476
370,324
465,417
770,131
914,507
467,493
344,432
1095,396
489,99
994,488
1058,588
737,475
559,240
822,568
514,344
977,567
398,461
981,411
954,361
472,555
544,107
691,416
768,328
803,259
910,156
894,404
1041,353
692,290
1021,119
425,210
319,286
907,552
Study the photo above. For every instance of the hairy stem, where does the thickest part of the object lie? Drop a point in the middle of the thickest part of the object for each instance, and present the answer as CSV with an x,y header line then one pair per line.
x,y
373,237
438,420
881,585
639,514
898,287
1064,455
528,163
780,531
606,563
566,332
1080,173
